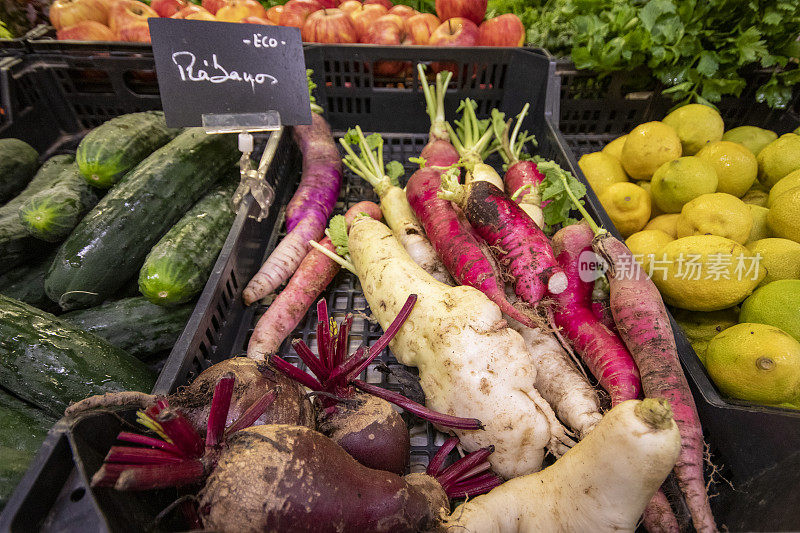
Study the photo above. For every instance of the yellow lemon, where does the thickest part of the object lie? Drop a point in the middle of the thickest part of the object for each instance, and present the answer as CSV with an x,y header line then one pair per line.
x,y
778,159
783,218
716,214
601,170
776,304
760,229
756,363
790,181
701,327
781,258
752,138
614,148
654,210
677,182
705,272
696,125
736,166
627,205
755,196
644,244
647,147
666,223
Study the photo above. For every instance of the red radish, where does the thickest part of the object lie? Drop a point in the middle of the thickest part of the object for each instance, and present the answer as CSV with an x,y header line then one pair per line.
x,y
308,211
365,425
284,478
394,204
522,178
645,326
452,239
313,275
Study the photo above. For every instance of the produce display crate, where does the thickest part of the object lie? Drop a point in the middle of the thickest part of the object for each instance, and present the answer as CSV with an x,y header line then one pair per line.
x,y
55,493
42,39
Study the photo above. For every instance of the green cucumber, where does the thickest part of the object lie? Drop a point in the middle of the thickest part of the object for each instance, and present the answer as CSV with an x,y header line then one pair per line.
x,y
18,164
109,245
51,363
133,324
52,214
26,283
16,245
22,430
116,146
177,268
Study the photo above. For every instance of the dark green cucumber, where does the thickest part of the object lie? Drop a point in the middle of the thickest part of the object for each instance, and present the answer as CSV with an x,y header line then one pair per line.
x,y
51,363
26,283
177,268
18,164
115,147
22,430
16,245
133,324
109,245
52,214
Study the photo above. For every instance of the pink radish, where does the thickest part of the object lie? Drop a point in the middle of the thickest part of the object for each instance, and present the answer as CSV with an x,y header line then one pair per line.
x,y
307,213
313,275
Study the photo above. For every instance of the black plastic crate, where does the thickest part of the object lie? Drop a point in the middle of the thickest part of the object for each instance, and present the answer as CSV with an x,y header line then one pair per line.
x,y
42,39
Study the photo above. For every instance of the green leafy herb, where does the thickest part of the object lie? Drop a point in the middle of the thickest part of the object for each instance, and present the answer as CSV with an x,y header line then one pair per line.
x,y
337,231
394,169
315,108
553,190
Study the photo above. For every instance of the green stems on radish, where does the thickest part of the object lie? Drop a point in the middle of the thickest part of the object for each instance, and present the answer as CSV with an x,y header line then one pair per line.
x,y
315,108
472,139
434,102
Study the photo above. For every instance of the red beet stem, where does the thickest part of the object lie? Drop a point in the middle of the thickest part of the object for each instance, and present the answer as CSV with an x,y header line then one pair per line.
x,y
218,412
161,476
249,417
108,474
453,473
324,335
312,361
140,456
441,454
295,373
469,490
341,341
483,467
421,411
181,433
154,410
144,440
339,374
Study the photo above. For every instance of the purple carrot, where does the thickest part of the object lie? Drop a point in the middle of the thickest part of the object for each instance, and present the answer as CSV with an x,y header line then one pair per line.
x,y
308,212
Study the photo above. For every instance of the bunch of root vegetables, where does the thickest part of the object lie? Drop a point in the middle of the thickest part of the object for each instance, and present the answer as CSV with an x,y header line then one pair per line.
x,y
471,291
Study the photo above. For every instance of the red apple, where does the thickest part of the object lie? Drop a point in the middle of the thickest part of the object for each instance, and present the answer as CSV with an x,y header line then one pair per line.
x,y
403,12
188,10
505,30
167,8
128,20
329,26
385,3
474,10
274,14
351,6
453,32
295,12
327,4
86,30
387,31
421,26
212,6
65,13
257,20
236,10
201,15
366,17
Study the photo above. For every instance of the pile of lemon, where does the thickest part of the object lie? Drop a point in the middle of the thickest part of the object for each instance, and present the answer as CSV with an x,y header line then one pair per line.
x,y
713,216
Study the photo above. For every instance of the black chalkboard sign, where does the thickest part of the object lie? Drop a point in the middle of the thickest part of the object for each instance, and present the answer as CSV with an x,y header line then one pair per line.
x,y
229,68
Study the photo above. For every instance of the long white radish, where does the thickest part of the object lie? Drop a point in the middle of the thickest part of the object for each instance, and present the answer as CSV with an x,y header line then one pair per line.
x,y
558,380
470,362
602,484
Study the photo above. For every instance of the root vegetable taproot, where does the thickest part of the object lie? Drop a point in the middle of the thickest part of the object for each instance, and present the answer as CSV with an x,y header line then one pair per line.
x,y
314,274
602,484
308,211
471,364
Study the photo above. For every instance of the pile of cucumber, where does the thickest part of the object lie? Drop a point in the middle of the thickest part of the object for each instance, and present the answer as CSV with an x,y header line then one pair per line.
x,y
140,205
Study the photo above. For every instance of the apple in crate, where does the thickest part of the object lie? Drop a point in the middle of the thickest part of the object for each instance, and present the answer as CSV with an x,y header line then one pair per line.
x,y
212,6
351,6
65,13
167,8
453,32
327,4
295,12
421,26
385,3
403,12
329,26
505,30
364,18
388,31
189,10
257,20
236,10
86,30
128,20
274,14
474,10
201,15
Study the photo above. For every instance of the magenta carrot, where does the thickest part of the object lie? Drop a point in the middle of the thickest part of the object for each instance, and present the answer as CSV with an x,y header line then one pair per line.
x,y
516,241
308,212
312,277
603,352
645,327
